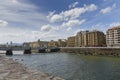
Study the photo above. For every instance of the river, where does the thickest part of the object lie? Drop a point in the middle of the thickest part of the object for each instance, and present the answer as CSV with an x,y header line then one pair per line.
x,y
73,66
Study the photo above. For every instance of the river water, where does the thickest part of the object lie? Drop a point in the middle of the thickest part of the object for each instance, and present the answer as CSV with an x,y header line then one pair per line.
x,y
73,66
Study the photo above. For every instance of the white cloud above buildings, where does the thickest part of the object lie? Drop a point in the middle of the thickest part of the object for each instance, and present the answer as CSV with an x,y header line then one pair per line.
x,y
3,23
114,24
73,5
70,17
15,19
20,12
108,9
56,18
22,21
47,28
73,13
74,22
103,27
69,29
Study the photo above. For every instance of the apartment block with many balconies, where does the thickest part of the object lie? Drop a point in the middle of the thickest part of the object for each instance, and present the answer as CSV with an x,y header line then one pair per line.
x,y
90,39
113,37
71,41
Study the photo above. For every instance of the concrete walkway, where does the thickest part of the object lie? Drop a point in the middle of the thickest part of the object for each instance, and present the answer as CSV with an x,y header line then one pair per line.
x,y
12,70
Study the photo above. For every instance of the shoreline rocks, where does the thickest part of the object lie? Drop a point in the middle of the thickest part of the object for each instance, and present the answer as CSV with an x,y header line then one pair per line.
x,y
13,70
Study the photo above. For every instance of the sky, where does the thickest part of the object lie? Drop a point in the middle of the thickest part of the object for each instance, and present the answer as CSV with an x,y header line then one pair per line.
x,y
30,20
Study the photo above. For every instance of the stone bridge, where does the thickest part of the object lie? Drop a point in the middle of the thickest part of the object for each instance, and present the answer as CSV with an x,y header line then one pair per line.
x,y
28,50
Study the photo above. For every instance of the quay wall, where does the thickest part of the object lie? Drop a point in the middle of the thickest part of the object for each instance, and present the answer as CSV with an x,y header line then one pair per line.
x,y
92,50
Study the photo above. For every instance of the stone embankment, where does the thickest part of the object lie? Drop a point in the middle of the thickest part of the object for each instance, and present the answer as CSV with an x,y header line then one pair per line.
x,y
109,51
12,70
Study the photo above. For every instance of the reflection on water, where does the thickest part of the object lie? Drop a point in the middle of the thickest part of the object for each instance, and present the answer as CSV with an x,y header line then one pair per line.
x,y
74,66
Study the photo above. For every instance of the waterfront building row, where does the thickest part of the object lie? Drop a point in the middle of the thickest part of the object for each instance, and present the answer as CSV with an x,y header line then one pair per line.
x,y
44,44
86,38
96,38
82,39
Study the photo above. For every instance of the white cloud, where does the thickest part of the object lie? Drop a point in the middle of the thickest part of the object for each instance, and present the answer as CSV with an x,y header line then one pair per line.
x,y
108,9
91,7
20,12
48,27
8,34
56,18
72,13
22,17
100,27
71,23
14,1
76,12
50,14
114,24
68,18
104,27
69,28
73,5
3,23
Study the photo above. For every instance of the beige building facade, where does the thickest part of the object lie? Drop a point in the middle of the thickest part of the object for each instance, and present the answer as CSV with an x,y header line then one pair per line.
x,y
62,43
36,44
96,39
81,39
71,41
113,37
53,43
90,39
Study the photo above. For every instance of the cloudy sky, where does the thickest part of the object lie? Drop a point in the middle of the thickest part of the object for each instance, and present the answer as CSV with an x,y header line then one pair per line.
x,y
30,20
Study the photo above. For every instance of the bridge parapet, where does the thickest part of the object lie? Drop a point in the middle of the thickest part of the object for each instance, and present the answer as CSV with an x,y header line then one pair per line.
x,y
28,50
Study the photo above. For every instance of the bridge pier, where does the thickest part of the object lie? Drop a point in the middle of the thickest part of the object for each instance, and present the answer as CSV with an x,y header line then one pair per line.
x,y
9,52
54,49
27,51
42,50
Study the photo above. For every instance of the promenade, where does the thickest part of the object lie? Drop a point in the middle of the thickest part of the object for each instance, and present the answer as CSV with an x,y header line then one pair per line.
x,y
12,70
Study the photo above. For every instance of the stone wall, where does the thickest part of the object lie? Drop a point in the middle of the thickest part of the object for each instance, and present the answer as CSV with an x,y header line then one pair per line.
x,y
92,50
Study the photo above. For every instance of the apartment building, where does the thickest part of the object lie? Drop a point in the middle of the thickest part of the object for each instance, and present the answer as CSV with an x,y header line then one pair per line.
x,y
62,42
36,44
90,39
113,37
53,43
81,39
71,41
96,39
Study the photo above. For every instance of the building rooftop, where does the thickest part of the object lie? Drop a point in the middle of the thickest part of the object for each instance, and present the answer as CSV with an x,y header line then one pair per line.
x,y
114,28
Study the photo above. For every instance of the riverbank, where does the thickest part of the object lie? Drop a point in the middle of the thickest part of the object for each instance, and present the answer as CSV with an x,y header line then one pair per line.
x,y
12,70
71,66
95,51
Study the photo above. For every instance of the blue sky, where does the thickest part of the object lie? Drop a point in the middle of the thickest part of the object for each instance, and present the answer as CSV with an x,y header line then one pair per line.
x,y
30,20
